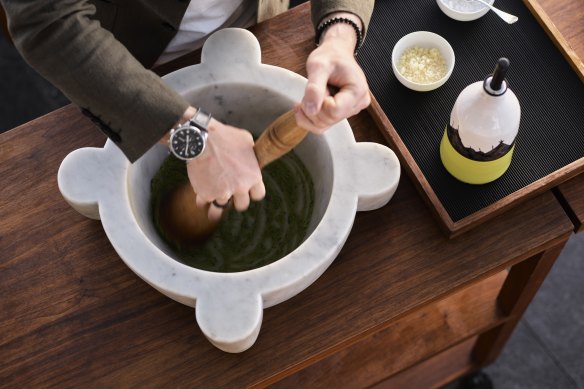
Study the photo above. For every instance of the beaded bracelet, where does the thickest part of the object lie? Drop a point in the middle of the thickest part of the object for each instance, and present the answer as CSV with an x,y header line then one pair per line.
x,y
323,27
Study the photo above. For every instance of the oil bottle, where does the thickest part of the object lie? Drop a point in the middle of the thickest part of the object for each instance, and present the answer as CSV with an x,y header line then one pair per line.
x,y
479,140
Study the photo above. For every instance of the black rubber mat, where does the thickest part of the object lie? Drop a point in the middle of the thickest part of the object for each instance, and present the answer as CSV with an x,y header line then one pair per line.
x,y
551,134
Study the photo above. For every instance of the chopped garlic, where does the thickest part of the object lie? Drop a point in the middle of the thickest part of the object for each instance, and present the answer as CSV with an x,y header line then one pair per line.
x,y
422,65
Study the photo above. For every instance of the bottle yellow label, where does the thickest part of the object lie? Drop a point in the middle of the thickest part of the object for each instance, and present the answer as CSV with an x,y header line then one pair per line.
x,y
471,171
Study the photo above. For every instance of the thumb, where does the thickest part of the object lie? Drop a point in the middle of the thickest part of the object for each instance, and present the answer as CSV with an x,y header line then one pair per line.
x,y
315,92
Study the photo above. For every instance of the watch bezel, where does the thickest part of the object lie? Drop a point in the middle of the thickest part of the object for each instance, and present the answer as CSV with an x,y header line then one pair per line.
x,y
199,123
183,128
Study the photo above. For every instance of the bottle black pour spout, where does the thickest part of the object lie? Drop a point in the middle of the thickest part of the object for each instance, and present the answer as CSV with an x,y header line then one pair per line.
x,y
496,85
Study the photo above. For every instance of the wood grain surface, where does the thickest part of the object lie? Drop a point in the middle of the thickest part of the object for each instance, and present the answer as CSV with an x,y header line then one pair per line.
x,y
460,316
73,314
571,196
560,40
436,371
568,18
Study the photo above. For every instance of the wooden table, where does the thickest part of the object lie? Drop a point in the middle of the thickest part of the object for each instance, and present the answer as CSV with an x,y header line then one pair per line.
x,y
401,303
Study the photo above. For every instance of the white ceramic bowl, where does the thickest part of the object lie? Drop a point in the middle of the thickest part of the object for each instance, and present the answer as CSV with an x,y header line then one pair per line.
x,y
463,16
233,84
423,39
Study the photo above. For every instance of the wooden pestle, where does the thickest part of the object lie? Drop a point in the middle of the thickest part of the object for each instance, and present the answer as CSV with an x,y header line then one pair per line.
x,y
186,224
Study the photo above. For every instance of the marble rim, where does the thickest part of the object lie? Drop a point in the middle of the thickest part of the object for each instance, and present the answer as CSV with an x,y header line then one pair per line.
x,y
338,138
229,306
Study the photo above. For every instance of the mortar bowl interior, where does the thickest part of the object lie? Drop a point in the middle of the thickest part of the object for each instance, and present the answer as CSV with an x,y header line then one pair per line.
x,y
246,106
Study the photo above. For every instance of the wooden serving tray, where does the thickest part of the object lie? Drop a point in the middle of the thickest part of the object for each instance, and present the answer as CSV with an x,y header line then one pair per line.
x,y
441,192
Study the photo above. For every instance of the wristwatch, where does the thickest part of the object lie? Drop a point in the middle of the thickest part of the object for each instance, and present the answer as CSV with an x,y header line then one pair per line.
x,y
187,141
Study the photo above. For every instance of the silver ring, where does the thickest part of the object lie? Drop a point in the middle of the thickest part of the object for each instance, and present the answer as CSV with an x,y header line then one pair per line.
x,y
222,206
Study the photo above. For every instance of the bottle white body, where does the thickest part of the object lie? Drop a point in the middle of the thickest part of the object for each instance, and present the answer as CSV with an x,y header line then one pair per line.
x,y
479,141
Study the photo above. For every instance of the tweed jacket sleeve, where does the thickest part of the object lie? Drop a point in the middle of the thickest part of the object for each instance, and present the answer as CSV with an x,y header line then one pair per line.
x,y
94,70
64,42
361,8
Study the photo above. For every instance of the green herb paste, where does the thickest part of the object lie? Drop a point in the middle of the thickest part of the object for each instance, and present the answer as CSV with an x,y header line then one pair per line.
x,y
266,232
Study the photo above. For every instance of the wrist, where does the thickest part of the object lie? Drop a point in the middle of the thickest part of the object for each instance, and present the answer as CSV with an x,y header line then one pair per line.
x,y
341,37
188,138
342,29
186,116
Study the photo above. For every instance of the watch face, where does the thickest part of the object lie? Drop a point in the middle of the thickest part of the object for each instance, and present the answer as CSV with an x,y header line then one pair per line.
x,y
187,142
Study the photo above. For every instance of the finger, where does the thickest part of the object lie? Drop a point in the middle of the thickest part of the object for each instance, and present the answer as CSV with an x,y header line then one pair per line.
x,y
330,112
325,118
334,109
258,191
354,100
302,120
201,202
311,124
344,103
214,213
316,89
241,201
215,203
223,200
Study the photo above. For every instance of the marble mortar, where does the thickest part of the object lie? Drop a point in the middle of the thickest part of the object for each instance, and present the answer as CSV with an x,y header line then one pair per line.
x,y
233,84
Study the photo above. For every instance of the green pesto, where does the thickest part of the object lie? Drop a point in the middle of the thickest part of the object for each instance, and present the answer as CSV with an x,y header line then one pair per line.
x,y
266,232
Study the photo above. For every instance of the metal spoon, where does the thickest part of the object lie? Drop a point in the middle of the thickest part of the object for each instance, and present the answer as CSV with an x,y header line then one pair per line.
x,y
503,15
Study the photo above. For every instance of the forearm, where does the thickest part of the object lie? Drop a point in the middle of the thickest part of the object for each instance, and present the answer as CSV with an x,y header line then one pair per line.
x,y
339,32
96,72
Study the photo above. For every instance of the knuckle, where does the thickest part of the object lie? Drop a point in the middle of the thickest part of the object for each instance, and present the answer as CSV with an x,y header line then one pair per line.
x,y
312,87
367,100
248,135
205,197
317,67
240,189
